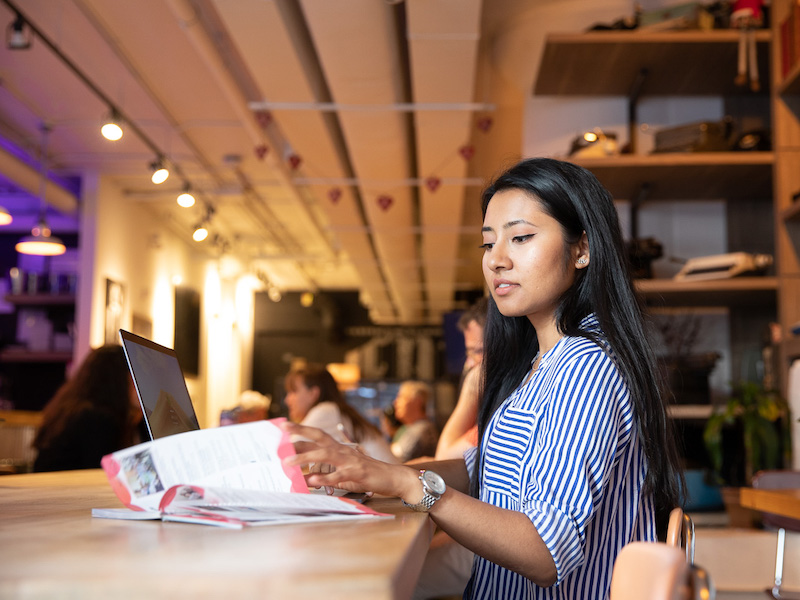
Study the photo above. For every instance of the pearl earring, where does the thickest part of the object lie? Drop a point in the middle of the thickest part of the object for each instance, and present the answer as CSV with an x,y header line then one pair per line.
x,y
582,260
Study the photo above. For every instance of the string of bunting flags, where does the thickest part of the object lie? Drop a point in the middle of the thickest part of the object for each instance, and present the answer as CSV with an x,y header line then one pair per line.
x,y
384,201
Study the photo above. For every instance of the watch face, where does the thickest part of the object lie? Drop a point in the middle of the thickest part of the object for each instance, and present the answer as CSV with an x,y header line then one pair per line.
x,y
434,482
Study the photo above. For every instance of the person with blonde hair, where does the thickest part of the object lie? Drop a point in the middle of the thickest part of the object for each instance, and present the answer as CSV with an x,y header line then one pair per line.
x,y
417,436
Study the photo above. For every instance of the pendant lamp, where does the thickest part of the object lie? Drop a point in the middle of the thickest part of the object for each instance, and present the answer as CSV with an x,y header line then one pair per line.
x,y
40,242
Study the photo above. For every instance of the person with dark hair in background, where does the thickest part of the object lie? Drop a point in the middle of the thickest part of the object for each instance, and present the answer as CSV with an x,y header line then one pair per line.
x,y
447,564
460,432
314,399
575,456
95,412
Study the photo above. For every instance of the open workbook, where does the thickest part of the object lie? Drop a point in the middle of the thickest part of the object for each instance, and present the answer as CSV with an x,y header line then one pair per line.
x,y
230,476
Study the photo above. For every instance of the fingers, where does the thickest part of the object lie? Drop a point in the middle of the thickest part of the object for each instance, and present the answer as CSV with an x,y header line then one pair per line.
x,y
308,433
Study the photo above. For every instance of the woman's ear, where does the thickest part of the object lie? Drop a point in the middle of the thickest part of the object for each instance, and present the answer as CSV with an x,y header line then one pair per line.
x,y
315,393
581,249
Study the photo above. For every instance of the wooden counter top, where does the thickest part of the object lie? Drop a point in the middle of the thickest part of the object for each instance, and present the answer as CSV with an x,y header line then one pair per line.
x,y
50,546
779,502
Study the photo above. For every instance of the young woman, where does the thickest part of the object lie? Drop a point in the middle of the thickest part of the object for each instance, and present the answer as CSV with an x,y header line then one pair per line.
x,y
574,454
314,399
94,413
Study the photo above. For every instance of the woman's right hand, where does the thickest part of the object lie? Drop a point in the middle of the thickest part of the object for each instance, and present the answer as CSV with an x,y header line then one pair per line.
x,y
343,466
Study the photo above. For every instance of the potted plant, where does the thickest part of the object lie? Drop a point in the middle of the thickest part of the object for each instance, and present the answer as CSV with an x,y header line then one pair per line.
x,y
748,434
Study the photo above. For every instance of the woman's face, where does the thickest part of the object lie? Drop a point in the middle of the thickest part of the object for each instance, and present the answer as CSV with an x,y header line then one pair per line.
x,y
300,399
527,263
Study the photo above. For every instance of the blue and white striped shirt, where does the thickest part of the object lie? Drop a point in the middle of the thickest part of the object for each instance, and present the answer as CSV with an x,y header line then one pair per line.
x,y
563,450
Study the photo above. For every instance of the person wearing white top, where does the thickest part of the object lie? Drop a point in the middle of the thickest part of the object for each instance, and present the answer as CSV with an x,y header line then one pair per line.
x,y
314,399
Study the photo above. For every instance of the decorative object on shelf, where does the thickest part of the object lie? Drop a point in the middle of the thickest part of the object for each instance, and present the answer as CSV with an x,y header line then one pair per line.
x,y
724,266
595,143
747,16
684,370
756,419
704,136
642,252
115,305
753,141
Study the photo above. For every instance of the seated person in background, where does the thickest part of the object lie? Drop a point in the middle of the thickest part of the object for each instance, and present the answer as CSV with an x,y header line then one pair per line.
x,y
389,422
461,430
417,435
94,413
314,399
447,565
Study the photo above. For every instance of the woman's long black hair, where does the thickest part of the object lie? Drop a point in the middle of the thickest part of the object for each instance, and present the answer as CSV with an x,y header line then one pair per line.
x,y
576,199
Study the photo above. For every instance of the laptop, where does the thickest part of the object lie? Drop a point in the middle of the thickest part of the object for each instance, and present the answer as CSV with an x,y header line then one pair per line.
x,y
160,385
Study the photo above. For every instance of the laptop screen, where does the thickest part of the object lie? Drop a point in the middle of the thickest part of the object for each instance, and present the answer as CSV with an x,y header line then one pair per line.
x,y
160,385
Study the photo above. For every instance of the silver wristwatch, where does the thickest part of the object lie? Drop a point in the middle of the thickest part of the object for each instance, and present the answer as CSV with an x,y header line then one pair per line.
x,y
433,487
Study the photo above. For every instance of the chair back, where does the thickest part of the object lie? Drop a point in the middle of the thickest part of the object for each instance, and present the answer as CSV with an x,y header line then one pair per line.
x,y
680,533
778,479
17,430
652,571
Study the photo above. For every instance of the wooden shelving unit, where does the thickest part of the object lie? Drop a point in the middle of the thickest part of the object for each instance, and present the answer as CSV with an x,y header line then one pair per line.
x,y
30,356
786,135
738,291
680,176
641,64
33,375
40,299
677,63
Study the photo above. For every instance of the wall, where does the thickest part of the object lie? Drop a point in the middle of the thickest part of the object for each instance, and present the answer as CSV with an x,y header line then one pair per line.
x,y
145,258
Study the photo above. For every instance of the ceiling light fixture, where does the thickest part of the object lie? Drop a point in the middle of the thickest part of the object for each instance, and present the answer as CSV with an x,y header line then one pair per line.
x,y
112,128
160,171
5,216
40,242
200,232
185,198
17,37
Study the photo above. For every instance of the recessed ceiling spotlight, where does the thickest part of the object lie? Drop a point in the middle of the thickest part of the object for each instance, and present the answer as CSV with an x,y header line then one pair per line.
x,y
160,171
112,128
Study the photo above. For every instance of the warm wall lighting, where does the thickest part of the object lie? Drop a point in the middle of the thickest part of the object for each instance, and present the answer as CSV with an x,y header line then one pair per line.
x,y
160,171
307,299
5,216
40,242
346,375
112,128
185,199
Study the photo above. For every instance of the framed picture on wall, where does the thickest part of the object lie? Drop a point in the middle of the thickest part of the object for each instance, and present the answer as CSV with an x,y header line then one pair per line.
x,y
115,305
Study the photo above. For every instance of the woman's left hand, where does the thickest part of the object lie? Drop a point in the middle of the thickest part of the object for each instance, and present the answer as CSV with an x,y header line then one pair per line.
x,y
343,466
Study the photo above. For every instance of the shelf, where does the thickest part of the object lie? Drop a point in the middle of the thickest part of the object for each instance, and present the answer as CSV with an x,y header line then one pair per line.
x,y
25,356
791,84
40,299
792,213
792,346
684,176
737,291
679,63
690,411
